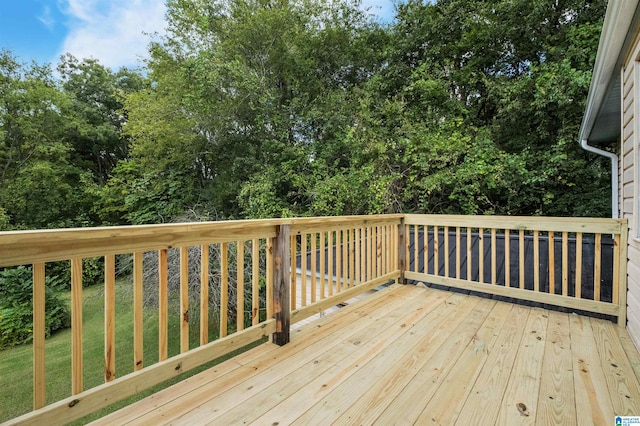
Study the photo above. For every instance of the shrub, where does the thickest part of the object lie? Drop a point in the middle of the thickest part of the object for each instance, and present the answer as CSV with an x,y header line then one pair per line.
x,y
16,308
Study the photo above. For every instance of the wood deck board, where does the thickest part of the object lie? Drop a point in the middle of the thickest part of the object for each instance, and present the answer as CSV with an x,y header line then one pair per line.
x,y
416,355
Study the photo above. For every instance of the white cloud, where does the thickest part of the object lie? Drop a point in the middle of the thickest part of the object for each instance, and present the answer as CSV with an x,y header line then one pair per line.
x,y
46,18
113,31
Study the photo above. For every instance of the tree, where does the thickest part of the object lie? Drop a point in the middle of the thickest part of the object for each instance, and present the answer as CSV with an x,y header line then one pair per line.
x,y
95,114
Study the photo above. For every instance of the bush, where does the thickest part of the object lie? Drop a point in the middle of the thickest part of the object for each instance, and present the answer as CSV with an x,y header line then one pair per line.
x,y
16,308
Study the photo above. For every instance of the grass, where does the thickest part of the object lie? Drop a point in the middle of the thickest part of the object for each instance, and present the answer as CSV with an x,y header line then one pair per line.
x,y
16,377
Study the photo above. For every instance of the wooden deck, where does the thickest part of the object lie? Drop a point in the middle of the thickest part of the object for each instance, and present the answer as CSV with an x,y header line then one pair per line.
x,y
413,355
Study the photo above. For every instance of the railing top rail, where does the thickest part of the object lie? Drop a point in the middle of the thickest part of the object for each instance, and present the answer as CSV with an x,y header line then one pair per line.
x,y
527,223
25,247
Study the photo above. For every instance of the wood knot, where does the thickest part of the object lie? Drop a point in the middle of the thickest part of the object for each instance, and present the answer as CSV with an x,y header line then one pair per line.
x,y
74,403
522,409
185,316
178,367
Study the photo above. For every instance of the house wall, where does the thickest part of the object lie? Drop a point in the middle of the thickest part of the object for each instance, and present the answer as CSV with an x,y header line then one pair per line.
x,y
629,174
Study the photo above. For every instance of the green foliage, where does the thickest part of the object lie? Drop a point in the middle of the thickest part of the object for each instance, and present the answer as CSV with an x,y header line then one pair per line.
x,y
256,108
16,308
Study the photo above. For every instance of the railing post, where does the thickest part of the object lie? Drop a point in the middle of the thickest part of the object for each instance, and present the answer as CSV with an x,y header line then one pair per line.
x,y
402,253
281,285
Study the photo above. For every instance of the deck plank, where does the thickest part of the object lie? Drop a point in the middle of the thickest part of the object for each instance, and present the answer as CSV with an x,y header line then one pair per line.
x,y
343,406
408,404
304,390
446,404
593,404
411,355
519,405
556,405
225,375
311,361
622,382
481,407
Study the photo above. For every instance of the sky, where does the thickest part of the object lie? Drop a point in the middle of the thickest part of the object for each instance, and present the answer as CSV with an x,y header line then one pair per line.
x,y
116,32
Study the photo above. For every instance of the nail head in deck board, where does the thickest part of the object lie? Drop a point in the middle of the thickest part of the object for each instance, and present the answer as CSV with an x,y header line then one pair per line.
x,y
281,279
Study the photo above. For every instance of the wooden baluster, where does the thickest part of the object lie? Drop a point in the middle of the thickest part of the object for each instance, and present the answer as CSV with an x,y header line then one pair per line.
x,y
224,288
385,249
436,251
255,281
357,241
615,291
378,251
344,282
415,248
138,326
39,293
552,264
240,282
294,272
76,326
352,260
269,262
407,248
481,255
521,260
303,269
204,294
314,266
597,259
565,263
458,257
446,251
184,299
339,243
109,317
330,258
372,251
425,244
494,272
163,306
469,254
578,265
536,261
507,258
323,270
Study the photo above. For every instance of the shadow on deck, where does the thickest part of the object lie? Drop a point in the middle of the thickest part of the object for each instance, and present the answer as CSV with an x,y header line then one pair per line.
x,y
410,354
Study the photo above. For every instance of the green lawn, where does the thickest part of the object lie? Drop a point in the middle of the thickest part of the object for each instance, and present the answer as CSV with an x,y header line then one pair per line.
x,y
16,363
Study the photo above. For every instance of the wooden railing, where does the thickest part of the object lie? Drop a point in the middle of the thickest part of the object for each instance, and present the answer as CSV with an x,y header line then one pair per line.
x,y
539,259
339,259
251,261
283,270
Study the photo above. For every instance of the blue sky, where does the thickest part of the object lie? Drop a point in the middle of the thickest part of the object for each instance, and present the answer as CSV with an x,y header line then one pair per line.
x,y
112,31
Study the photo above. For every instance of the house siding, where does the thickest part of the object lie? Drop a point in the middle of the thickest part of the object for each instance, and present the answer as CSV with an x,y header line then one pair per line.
x,y
628,173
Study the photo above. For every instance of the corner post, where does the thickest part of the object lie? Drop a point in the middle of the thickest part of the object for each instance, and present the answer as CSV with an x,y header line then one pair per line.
x,y
622,248
281,285
402,253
